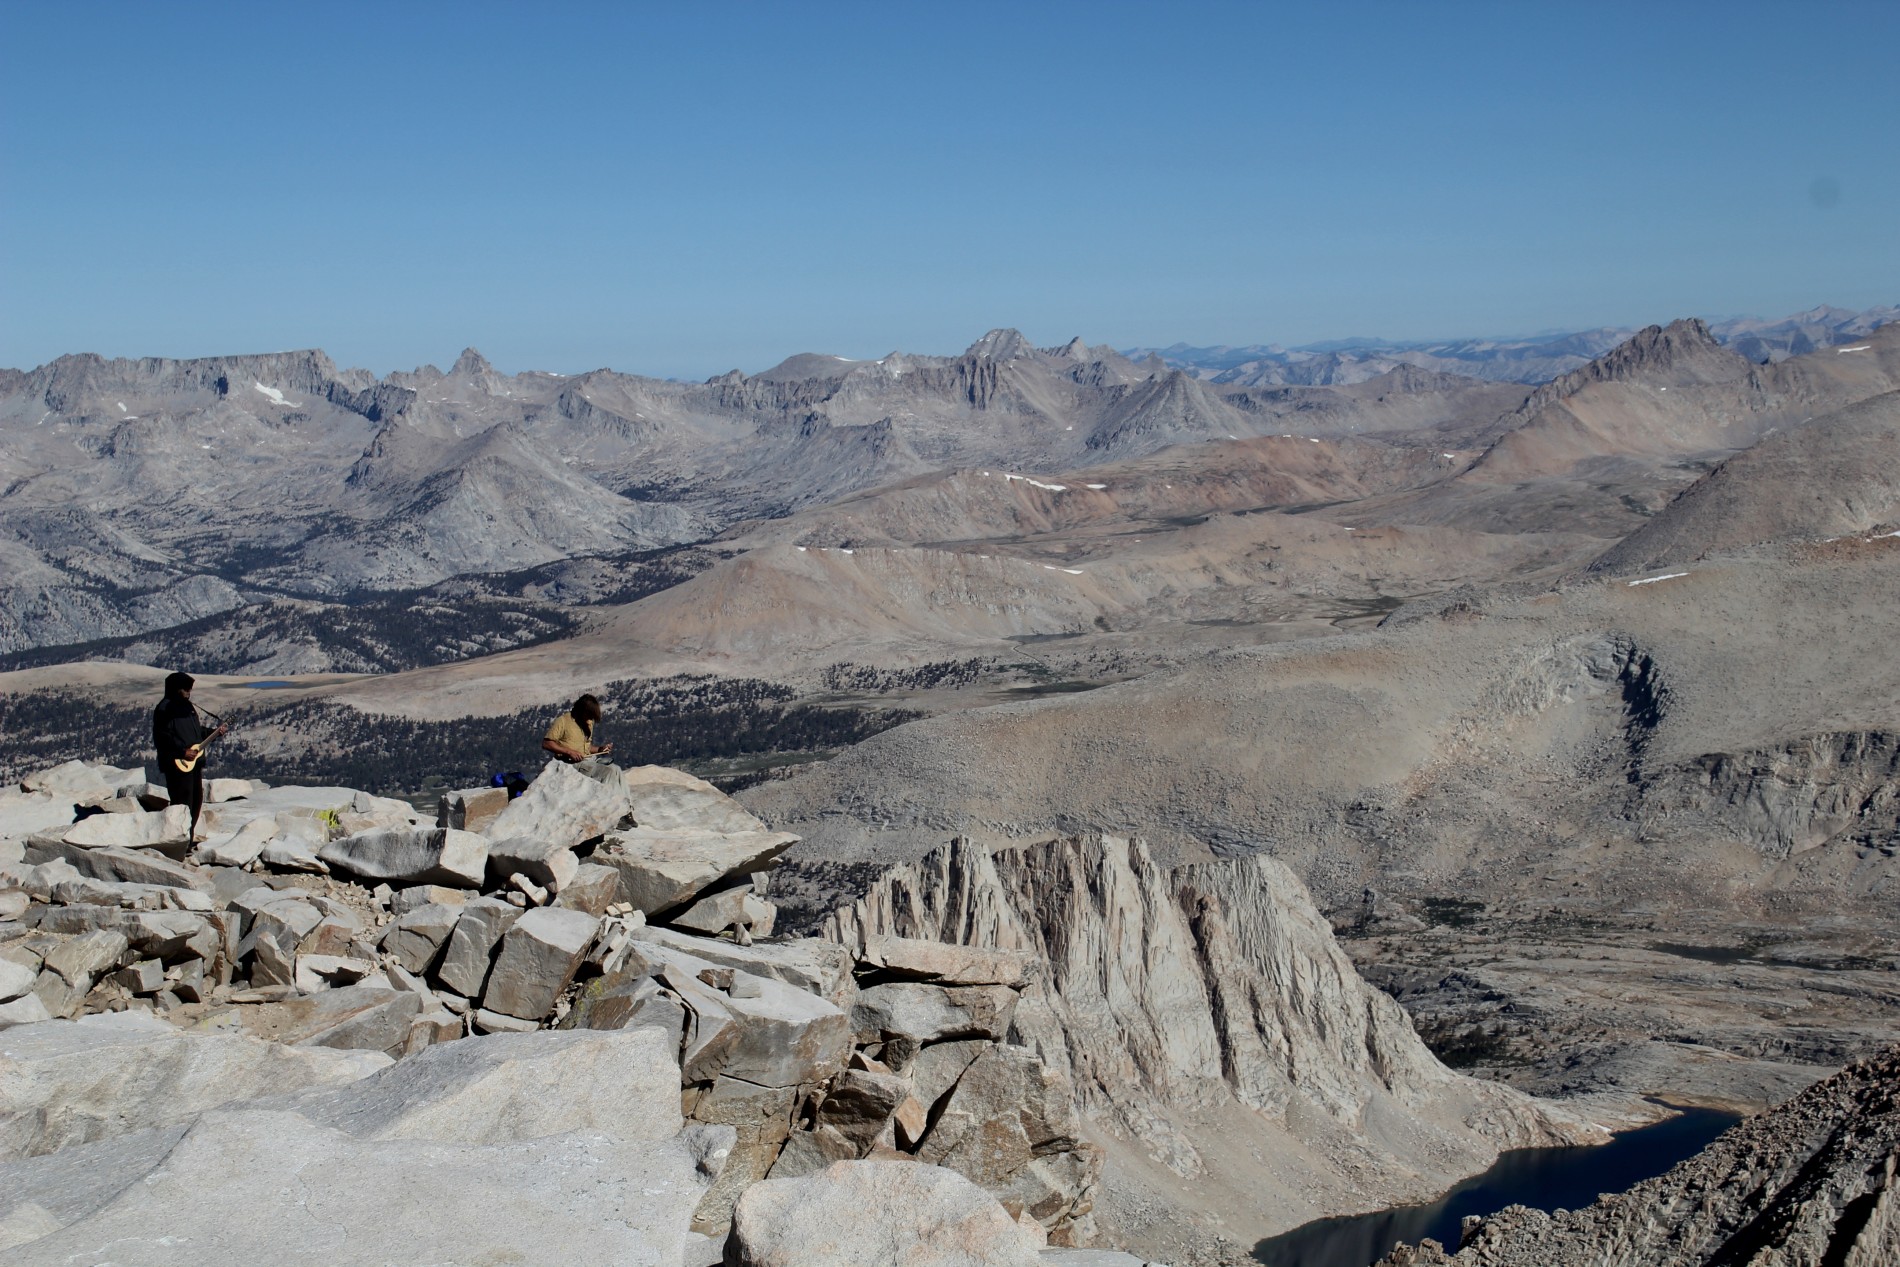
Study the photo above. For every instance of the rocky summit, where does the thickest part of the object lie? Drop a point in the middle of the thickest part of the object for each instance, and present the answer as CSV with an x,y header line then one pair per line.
x,y
553,1028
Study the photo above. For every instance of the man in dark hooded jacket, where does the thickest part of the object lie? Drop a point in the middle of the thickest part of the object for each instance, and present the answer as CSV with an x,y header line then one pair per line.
x,y
179,735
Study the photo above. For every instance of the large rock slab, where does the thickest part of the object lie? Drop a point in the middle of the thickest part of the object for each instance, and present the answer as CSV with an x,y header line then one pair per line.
x,y
812,964
412,855
471,948
170,826
663,868
533,1148
42,1194
120,866
77,780
69,1082
538,958
29,815
249,1187
876,1214
928,1013
672,800
511,1087
913,958
562,807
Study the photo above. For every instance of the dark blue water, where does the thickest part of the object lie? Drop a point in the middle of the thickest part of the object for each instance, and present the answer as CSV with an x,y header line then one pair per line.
x,y
1544,1178
273,685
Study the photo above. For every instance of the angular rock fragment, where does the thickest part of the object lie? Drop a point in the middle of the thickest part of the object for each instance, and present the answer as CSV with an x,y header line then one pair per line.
x,y
276,931
471,947
471,809
808,1152
147,976
781,1037
15,979
25,1010
364,1017
538,958
592,888
415,940
487,1022
412,855
405,900
323,972
81,960
860,1104
546,862
287,852
218,791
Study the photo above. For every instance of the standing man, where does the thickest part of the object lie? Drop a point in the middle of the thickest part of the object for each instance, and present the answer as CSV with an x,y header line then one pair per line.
x,y
571,739
179,735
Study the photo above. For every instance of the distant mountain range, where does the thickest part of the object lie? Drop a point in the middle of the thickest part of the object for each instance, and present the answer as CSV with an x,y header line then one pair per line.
x,y
1531,360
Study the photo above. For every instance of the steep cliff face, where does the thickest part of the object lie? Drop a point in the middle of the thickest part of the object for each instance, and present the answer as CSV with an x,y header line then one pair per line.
x,y
1212,1026
1810,1184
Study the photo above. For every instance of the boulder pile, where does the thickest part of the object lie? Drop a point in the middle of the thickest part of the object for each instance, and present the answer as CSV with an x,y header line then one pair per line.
x,y
325,918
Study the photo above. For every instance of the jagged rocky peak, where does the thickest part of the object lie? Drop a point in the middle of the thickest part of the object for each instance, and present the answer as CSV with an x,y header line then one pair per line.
x,y
1075,350
1001,345
1682,353
471,364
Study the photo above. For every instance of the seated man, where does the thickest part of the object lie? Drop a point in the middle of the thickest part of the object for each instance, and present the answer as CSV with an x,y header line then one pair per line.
x,y
571,739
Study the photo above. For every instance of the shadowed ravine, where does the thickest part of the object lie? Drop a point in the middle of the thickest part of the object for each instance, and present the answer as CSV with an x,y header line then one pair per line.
x,y
1542,1178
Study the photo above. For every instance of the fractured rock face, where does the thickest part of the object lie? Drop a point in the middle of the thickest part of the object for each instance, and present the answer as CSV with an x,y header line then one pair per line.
x,y
1172,997
471,947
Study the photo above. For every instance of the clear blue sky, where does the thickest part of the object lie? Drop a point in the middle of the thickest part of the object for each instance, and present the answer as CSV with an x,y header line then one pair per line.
x,y
681,189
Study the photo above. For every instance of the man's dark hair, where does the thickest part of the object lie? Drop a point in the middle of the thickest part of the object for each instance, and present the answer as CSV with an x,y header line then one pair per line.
x,y
586,710
178,683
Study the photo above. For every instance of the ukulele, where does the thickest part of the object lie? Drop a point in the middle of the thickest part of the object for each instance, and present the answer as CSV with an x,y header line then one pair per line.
x,y
196,753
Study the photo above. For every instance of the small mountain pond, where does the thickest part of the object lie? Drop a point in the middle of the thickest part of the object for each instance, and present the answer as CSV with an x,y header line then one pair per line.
x,y
1544,1178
